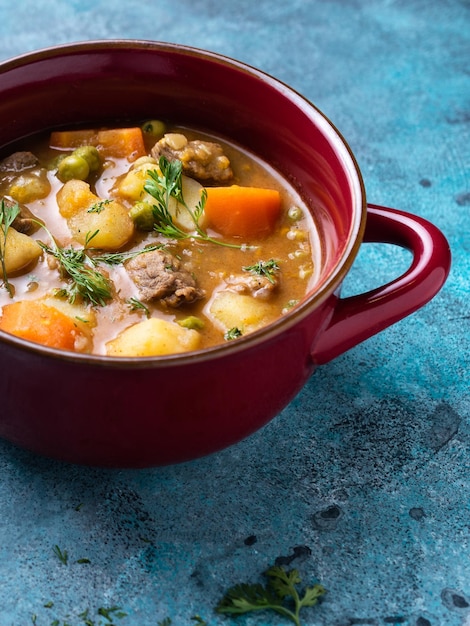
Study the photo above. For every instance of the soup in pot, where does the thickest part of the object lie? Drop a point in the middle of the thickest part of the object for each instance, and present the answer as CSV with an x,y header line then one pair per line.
x,y
146,241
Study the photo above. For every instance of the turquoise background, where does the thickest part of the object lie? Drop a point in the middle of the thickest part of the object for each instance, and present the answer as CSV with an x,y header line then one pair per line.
x,y
362,483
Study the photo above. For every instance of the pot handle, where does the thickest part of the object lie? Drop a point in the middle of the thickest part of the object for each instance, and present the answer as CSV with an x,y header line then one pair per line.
x,y
357,318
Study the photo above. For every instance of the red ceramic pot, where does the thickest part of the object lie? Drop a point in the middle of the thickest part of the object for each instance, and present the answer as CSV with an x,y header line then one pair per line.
x,y
136,412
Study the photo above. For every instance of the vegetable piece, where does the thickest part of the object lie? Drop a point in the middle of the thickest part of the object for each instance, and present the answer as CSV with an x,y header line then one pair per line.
x,y
87,213
191,193
30,186
112,225
72,167
192,322
115,142
229,310
153,337
242,211
71,138
83,316
154,128
166,187
131,186
18,252
121,143
73,197
91,156
142,215
281,585
38,322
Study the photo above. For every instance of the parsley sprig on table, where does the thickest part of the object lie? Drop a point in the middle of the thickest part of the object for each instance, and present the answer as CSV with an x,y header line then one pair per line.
x,y
167,184
279,594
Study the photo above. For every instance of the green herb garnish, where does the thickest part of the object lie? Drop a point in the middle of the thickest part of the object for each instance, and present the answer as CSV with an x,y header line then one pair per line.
x,y
117,258
98,206
264,268
80,266
279,595
8,214
113,611
136,305
168,185
87,282
232,333
62,555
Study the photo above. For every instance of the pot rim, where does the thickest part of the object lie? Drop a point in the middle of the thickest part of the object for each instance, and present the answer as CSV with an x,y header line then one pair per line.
x,y
318,293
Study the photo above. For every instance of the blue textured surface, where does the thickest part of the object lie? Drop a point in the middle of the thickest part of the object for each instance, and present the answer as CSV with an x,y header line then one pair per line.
x,y
362,483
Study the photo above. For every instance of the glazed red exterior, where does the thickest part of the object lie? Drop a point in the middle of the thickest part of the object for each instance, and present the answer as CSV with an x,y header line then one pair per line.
x,y
144,412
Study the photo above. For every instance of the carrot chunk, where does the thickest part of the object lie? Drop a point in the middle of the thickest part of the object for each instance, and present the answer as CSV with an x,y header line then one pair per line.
x,y
115,142
242,211
40,323
71,138
121,142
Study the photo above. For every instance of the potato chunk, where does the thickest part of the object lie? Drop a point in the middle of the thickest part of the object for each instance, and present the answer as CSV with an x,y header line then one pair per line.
x,y
192,195
112,225
75,196
131,186
153,337
234,310
86,213
20,250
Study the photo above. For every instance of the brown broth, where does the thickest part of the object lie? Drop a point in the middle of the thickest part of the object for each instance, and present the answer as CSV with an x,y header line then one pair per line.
x,y
296,246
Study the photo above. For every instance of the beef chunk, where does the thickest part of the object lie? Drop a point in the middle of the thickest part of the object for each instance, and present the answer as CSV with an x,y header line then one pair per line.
x,y
25,222
19,161
202,160
159,276
256,286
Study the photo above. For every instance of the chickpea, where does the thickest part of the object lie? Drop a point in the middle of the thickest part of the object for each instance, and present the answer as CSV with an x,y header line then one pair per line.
x,y
73,167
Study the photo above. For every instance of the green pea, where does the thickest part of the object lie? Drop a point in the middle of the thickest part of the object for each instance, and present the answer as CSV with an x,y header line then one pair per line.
x,y
154,128
91,156
73,167
142,215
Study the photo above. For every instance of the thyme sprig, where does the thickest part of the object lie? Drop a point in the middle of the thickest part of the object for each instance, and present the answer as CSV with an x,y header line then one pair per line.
x,y
167,184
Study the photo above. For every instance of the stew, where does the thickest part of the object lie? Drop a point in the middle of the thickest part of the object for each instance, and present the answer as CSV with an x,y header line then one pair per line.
x,y
147,240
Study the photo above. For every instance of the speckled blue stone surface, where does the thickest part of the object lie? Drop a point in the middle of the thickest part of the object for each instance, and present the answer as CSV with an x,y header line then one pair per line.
x,y
362,483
